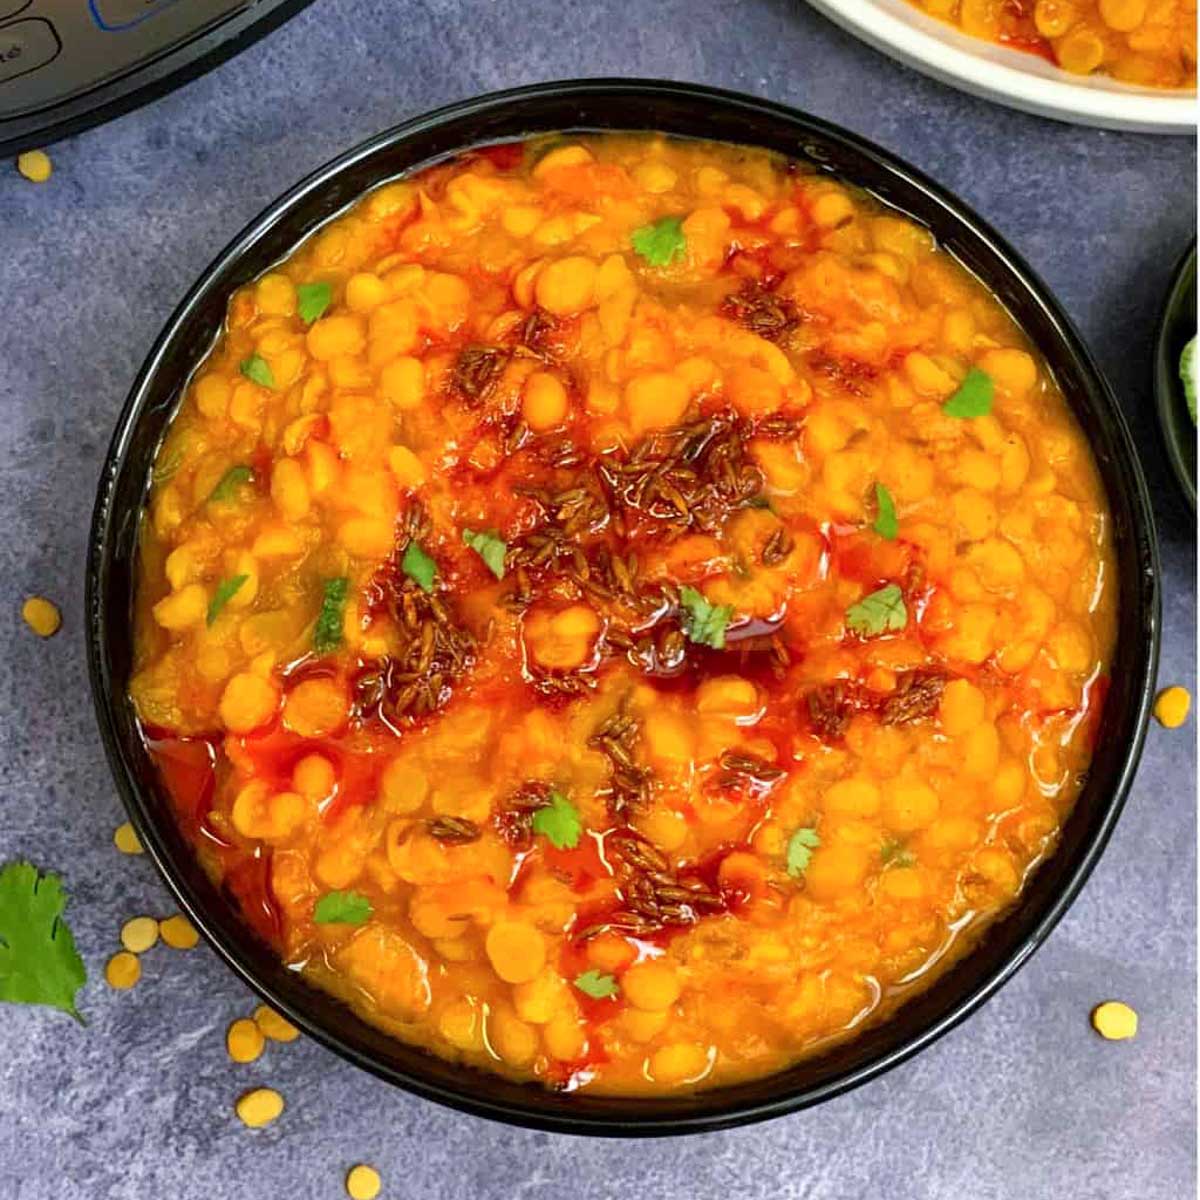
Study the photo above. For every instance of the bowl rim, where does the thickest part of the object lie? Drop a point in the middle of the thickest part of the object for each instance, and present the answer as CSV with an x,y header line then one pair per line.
x,y
637,1117
1009,76
1168,401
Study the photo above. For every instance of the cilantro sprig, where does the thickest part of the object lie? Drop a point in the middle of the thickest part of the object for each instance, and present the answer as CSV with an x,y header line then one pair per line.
x,y
883,611
559,822
38,960
343,908
704,622
886,524
327,635
490,546
258,370
893,853
597,985
226,590
227,486
973,397
661,242
799,850
419,567
312,299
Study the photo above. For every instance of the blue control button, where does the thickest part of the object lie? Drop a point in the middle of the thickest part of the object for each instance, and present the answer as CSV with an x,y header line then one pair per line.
x,y
26,45
114,15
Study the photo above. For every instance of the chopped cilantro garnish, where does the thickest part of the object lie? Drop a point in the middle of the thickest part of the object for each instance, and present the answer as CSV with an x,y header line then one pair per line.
x,y
226,590
893,854
328,632
799,850
661,242
419,567
342,908
312,299
489,545
886,524
256,369
559,822
880,612
973,398
229,483
704,622
38,960
596,985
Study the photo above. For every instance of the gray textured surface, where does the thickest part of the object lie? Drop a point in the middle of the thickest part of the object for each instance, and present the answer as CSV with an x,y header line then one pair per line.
x,y
1023,1101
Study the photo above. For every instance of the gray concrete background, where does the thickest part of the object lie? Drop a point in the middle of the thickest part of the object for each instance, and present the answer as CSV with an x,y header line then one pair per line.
x,y
1022,1102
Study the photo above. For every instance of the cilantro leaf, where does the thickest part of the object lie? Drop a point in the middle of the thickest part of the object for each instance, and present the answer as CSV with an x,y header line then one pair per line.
x,y
489,545
893,854
328,632
226,590
886,524
704,622
661,242
559,822
599,987
419,567
256,369
38,960
312,299
342,908
973,398
229,483
880,612
799,850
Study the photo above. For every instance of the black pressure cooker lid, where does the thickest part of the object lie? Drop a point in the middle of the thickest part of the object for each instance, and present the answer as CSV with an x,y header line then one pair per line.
x,y
69,64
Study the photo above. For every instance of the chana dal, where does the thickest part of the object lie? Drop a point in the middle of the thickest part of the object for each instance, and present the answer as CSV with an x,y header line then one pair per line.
x,y
1150,43
622,612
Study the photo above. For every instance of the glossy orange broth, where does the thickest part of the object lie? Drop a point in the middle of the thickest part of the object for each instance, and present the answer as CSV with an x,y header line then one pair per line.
x,y
656,809
1151,43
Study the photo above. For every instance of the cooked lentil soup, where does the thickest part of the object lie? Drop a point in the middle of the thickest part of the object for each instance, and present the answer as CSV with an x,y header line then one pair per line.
x,y
622,612
1151,43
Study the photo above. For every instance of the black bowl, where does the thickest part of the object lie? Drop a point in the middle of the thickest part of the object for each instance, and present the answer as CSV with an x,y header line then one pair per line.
x,y
687,111
1175,327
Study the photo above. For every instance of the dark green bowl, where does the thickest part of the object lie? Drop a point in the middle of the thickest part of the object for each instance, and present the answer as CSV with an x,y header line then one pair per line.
x,y
1176,327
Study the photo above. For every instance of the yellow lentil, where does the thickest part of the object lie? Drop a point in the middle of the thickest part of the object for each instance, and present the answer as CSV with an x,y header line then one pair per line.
x,y
363,1182
1115,1021
123,970
42,616
259,1107
138,934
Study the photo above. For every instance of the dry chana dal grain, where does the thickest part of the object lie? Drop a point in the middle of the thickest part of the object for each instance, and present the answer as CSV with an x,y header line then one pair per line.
x,y
42,616
123,970
126,840
35,165
259,1107
274,1025
244,1041
363,1182
1115,1021
1171,707
139,934
178,932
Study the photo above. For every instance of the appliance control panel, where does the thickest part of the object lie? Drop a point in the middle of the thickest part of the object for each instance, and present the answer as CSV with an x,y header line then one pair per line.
x,y
54,52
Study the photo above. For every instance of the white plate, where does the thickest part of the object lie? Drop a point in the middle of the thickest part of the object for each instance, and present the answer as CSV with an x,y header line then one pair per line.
x,y
1010,77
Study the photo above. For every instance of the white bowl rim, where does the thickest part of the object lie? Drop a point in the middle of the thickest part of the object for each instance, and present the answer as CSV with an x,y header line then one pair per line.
x,y
1009,76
